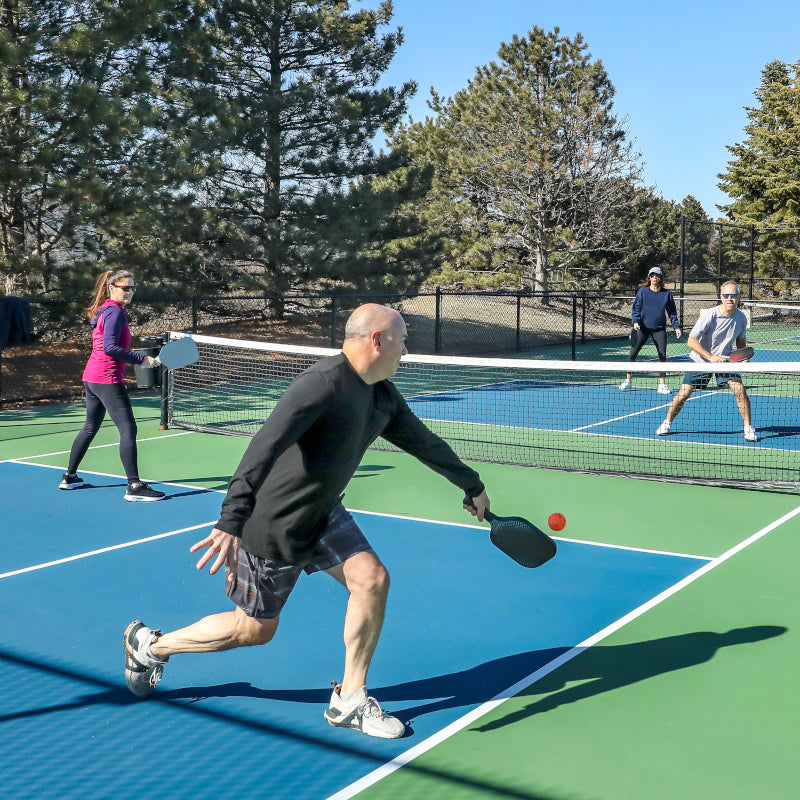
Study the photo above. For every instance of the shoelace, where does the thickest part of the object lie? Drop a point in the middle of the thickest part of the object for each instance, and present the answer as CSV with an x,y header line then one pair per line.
x,y
156,675
371,708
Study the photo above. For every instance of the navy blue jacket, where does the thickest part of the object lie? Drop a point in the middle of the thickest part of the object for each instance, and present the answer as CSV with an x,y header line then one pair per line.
x,y
649,309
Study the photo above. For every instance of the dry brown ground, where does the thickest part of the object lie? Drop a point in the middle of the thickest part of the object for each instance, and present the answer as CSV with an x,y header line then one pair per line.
x,y
470,325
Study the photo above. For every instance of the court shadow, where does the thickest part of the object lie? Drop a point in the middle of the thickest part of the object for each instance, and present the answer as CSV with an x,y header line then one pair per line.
x,y
170,495
776,431
193,492
87,485
370,470
606,668
224,480
468,687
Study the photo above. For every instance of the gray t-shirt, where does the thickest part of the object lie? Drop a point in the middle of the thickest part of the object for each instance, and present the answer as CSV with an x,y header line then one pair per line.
x,y
717,333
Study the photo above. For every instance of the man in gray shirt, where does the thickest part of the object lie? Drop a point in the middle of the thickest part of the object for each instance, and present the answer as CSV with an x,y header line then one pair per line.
x,y
711,340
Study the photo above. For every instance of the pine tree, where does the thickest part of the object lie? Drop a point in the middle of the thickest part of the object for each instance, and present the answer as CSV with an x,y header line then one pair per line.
x,y
75,104
763,177
533,171
290,205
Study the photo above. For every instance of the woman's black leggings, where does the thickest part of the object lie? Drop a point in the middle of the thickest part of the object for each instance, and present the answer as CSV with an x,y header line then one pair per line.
x,y
111,397
659,339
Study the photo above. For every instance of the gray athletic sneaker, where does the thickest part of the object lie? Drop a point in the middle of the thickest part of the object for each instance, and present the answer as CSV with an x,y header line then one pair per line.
x,y
142,669
364,714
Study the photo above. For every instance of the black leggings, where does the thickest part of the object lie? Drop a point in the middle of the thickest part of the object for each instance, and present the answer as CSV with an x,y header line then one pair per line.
x,y
111,397
659,340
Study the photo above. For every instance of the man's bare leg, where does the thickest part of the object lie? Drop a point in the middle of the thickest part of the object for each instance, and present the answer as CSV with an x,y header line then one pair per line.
x,y
367,581
224,631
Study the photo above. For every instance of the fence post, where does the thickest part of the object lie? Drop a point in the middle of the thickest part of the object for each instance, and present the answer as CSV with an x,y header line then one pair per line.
x,y
437,326
519,318
194,315
752,262
583,317
574,324
333,321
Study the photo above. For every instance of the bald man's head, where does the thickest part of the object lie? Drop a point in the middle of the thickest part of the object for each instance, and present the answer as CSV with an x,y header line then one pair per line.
x,y
368,318
374,341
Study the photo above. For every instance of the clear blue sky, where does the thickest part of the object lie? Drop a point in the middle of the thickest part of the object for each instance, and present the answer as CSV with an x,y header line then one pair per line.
x,y
684,71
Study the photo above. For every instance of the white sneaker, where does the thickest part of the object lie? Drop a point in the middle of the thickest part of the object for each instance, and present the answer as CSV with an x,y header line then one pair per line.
x,y
664,428
364,714
664,389
625,385
750,433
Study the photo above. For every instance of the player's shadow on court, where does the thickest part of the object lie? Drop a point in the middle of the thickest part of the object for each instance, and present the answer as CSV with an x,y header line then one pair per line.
x,y
777,431
602,668
606,668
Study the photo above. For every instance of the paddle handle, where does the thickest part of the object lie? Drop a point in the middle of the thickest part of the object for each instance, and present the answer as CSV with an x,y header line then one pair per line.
x,y
487,515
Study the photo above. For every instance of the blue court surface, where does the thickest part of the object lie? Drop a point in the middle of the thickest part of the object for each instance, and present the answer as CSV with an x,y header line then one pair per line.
x,y
464,624
708,417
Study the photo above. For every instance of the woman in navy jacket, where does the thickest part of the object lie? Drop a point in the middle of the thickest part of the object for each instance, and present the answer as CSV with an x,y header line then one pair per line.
x,y
652,305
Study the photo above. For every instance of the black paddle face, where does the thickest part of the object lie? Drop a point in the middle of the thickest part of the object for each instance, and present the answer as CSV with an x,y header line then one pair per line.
x,y
743,354
634,336
519,539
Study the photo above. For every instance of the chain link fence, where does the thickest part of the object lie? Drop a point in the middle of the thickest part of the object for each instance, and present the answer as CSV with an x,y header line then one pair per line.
x,y
762,261
567,326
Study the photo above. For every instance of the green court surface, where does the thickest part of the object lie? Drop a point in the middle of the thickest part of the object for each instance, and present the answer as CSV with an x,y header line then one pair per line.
x,y
693,696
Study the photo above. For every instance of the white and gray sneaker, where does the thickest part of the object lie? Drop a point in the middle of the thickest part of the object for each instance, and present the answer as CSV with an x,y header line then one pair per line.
x,y
750,433
142,669
363,713
664,428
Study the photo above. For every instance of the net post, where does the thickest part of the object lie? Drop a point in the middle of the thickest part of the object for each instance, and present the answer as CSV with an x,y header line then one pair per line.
x,y
164,425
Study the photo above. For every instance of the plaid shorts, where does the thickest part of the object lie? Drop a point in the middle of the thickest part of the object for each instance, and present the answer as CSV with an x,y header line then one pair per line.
x,y
699,380
262,586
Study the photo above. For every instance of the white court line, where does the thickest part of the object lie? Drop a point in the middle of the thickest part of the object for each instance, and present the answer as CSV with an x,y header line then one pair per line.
x,y
200,489
104,550
423,747
557,538
101,446
696,396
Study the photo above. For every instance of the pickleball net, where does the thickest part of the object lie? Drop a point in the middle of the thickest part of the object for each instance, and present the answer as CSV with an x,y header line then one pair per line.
x,y
565,415
774,325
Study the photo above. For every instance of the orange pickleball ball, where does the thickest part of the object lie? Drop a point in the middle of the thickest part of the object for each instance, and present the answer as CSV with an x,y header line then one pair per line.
x,y
557,522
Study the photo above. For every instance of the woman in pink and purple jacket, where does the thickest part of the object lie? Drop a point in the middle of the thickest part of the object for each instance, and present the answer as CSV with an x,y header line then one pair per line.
x,y
103,382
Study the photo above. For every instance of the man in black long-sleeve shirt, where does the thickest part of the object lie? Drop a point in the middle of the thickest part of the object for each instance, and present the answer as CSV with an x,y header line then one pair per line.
x,y
283,515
